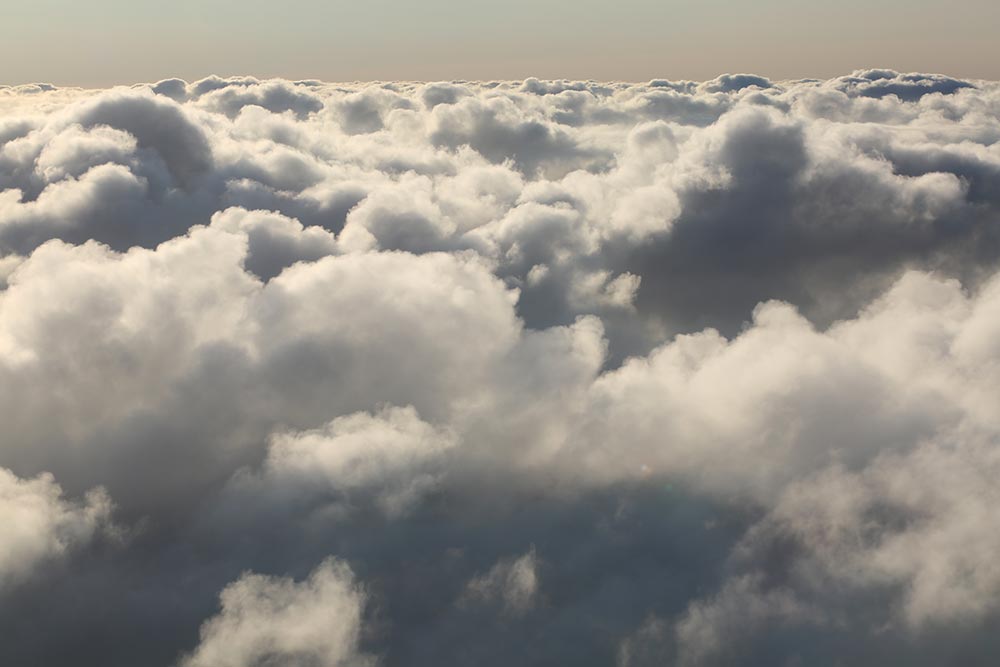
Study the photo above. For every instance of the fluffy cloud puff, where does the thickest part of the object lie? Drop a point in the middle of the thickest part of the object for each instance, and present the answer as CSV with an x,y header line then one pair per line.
x,y
267,620
540,372
40,525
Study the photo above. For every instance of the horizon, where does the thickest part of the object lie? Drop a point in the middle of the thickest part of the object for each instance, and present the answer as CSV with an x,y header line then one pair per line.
x,y
305,79
109,42
557,79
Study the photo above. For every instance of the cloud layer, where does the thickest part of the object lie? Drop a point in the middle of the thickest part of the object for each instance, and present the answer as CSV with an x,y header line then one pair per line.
x,y
540,372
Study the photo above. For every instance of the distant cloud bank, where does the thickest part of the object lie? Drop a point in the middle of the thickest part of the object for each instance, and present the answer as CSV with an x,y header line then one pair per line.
x,y
507,373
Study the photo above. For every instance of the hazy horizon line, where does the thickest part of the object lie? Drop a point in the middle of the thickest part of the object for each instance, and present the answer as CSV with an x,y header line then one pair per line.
x,y
488,80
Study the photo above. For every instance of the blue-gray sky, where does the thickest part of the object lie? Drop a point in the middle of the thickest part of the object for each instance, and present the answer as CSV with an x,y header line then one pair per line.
x,y
116,41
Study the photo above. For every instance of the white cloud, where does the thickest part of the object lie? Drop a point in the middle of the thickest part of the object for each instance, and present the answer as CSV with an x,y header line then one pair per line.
x,y
723,352
393,452
39,525
278,621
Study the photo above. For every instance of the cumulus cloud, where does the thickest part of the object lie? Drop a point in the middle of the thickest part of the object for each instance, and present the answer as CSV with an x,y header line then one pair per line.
x,y
540,372
275,620
40,525
393,453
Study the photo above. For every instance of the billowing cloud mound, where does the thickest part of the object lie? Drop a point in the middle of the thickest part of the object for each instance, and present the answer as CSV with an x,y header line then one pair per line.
x,y
39,525
541,372
267,620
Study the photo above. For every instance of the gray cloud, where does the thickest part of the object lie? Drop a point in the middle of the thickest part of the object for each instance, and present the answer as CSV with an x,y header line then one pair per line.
x,y
908,87
541,372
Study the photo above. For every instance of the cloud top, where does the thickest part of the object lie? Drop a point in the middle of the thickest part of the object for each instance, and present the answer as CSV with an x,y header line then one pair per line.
x,y
533,372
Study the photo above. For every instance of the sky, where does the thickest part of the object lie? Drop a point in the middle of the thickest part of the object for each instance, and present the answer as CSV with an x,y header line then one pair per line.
x,y
107,42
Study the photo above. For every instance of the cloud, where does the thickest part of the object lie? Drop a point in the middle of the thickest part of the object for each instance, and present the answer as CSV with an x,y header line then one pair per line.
x,y
275,620
512,582
908,87
393,453
540,372
40,526
275,96
275,241
160,126
731,83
